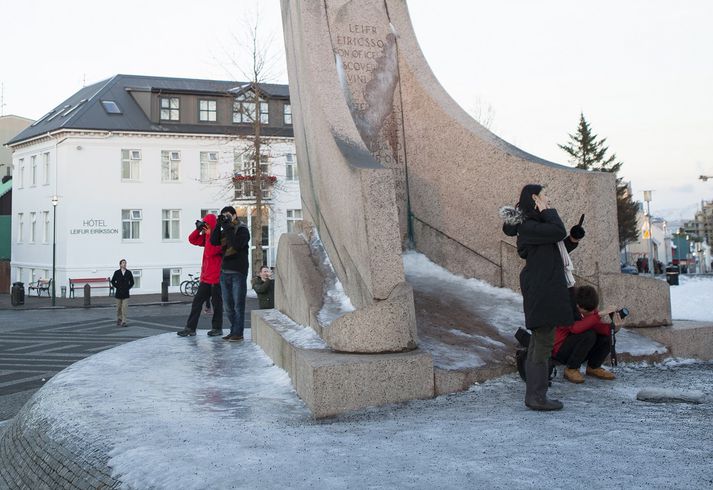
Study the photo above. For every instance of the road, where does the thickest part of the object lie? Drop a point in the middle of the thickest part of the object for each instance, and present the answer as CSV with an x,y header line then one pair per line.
x,y
37,344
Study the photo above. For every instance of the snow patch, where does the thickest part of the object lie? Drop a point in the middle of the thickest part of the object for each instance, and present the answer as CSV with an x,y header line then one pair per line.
x,y
636,344
691,299
301,336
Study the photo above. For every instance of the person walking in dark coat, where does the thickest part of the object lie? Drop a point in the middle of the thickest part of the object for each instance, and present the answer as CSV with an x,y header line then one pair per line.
x,y
544,281
123,281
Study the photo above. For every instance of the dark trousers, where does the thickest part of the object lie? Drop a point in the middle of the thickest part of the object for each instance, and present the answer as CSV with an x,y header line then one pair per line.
x,y
206,291
587,346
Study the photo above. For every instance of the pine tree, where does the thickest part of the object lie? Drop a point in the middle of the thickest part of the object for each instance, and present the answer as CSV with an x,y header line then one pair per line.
x,y
588,152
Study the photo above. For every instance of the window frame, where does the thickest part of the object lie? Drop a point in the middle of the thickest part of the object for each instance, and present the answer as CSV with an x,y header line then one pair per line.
x,y
208,166
170,225
170,110
46,168
46,227
128,161
292,218
170,166
208,111
33,171
287,114
131,219
33,227
20,226
291,171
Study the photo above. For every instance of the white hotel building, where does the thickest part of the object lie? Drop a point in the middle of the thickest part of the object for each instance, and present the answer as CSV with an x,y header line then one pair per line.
x,y
132,162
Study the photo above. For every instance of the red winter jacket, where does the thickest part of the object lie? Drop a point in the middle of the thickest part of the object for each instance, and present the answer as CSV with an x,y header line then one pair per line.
x,y
589,322
212,255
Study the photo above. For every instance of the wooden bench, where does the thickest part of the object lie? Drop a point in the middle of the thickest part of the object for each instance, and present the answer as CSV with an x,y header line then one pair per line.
x,y
39,286
94,282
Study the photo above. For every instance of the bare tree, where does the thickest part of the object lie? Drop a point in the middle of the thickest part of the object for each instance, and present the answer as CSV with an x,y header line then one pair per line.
x,y
255,62
483,112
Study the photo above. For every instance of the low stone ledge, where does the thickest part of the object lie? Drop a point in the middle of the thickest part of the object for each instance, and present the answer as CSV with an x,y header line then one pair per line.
x,y
685,338
331,383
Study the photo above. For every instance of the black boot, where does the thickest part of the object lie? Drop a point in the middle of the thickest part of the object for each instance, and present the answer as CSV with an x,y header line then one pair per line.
x,y
536,387
186,332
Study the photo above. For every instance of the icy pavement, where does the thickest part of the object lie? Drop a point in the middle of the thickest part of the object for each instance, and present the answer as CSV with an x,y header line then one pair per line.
x,y
196,413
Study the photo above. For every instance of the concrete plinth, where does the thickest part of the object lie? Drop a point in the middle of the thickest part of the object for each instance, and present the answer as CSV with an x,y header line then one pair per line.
x,y
686,339
332,383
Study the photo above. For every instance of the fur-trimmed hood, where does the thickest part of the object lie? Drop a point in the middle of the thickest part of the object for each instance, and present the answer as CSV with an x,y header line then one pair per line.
x,y
511,215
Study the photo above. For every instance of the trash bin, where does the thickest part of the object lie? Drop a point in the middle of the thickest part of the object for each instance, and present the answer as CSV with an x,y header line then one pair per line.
x,y
672,275
17,294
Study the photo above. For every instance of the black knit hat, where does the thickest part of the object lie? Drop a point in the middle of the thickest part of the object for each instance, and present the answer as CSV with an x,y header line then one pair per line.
x,y
527,204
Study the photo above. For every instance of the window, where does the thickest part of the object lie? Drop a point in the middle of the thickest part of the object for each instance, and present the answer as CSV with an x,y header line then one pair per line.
x,y
137,278
18,274
130,224
130,164
33,171
171,224
72,109
290,167
46,168
20,226
21,173
287,113
46,221
33,227
209,166
293,216
111,107
209,211
244,109
170,162
207,110
175,277
170,108
265,239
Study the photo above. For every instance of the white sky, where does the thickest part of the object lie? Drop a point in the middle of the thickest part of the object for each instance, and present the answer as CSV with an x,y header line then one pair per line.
x,y
640,70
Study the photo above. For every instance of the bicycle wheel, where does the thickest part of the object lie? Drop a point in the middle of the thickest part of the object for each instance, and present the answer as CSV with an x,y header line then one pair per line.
x,y
193,288
184,287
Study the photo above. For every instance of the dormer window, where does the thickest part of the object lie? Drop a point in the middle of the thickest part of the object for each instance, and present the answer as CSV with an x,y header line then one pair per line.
x,y
244,108
207,110
170,108
287,114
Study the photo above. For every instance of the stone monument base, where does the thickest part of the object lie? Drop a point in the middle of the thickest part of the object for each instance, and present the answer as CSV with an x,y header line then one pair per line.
x,y
684,339
331,383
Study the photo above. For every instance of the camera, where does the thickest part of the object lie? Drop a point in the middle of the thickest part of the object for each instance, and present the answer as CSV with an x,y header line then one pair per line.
x,y
224,220
623,313
200,224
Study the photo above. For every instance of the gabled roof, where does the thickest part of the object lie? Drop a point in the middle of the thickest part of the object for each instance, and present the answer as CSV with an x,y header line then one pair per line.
x,y
84,109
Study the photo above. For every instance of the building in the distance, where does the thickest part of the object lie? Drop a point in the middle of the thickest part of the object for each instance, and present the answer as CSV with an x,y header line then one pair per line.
x,y
124,168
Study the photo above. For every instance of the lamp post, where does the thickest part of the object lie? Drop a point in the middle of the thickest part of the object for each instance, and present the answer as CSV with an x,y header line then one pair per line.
x,y
55,200
705,177
652,263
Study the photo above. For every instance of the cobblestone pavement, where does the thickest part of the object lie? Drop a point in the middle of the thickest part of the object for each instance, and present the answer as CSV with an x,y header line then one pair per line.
x,y
37,344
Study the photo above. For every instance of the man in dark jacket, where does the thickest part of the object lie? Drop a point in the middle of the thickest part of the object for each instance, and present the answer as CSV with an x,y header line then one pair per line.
x,y
209,287
234,238
122,280
264,286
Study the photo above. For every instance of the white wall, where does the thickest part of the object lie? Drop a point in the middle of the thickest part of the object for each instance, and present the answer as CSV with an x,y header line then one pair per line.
x,y
86,176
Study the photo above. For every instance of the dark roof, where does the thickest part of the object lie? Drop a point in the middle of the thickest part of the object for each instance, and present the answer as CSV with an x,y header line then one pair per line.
x,y
88,112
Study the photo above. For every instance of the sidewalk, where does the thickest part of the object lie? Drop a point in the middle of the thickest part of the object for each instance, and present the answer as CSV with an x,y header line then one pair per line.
x,y
101,300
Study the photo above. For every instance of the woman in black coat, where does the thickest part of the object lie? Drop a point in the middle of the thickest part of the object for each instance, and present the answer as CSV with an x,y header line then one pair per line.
x,y
544,281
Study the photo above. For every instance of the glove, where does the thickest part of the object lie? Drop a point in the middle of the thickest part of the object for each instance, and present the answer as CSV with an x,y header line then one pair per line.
x,y
577,232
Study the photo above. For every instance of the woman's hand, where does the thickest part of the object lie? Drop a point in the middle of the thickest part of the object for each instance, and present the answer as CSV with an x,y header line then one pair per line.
x,y
540,202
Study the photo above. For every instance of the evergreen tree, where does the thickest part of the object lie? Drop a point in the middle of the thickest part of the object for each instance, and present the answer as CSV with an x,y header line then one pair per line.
x,y
588,152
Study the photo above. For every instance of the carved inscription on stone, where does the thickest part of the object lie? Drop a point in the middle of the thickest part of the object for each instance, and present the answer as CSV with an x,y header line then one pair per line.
x,y
369,54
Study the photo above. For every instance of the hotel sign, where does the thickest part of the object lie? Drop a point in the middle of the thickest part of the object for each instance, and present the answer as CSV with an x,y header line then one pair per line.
x,y
94,227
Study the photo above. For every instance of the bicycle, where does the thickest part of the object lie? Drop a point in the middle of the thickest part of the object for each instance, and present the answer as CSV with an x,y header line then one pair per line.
x,y
189,287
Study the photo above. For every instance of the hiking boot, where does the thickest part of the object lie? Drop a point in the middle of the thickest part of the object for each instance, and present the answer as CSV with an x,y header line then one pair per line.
x,y
227,337
600,373
215,332
573,376
124,324
186,332
235,338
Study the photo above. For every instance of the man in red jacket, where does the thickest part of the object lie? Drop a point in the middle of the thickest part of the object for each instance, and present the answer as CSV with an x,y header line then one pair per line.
x,y
209,286
588,339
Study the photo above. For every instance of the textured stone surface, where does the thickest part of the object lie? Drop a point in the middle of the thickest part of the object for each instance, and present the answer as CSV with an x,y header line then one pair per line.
x,y
685,339
332,383
392,321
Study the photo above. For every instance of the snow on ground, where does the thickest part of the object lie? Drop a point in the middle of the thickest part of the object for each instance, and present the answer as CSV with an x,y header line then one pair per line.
x,y
201,413
692,299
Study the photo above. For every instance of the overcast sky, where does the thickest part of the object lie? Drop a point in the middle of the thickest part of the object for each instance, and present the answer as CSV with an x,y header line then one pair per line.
x,y
640,70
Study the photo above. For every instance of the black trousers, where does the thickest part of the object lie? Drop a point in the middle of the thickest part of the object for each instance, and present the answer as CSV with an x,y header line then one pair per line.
x,y
206,291
587,346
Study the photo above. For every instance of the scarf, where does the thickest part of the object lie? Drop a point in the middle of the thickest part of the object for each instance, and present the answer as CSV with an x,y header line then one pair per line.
x,y
568,267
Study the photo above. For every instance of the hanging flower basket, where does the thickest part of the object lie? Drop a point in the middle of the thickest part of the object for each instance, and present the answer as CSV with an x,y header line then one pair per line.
x,y
268,179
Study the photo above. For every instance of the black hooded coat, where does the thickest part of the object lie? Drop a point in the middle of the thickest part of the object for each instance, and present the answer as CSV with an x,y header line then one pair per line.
x,y
546,298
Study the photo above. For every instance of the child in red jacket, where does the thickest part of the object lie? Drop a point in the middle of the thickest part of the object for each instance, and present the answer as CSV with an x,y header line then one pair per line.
x,y
588,339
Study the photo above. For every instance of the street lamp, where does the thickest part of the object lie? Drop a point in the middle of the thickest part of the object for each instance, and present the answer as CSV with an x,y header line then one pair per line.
x,y
652,262
705,177
55,200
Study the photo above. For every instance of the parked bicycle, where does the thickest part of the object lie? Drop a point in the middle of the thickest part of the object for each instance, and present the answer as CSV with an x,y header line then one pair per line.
x,y
189,287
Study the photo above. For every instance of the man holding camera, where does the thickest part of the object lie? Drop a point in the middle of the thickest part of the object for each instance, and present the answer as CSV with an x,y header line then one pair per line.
x,y
209,286
588,339
233,237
